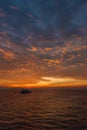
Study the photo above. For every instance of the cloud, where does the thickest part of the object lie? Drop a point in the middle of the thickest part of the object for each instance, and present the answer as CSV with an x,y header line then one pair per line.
x,y
7,54
49,81
42,38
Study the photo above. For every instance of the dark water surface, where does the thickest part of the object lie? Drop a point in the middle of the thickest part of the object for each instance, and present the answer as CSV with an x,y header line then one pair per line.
x,y
43,109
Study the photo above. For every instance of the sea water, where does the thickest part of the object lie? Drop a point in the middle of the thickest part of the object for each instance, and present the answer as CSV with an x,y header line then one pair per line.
x,y
43,109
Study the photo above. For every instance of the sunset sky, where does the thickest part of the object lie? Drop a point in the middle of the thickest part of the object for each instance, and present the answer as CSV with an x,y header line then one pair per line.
x,y
43,43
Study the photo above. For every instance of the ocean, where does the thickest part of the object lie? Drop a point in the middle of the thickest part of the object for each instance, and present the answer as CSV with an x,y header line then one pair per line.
x,y
43,109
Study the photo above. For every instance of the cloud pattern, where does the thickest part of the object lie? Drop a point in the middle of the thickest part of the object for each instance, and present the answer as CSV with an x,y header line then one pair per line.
x,y
42,38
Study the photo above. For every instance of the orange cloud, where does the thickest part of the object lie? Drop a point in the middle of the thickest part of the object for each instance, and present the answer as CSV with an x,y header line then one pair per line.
x,y
64,81
7,54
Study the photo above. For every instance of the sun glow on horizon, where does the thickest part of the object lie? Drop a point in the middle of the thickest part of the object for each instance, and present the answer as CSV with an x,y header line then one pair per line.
x,y
50,82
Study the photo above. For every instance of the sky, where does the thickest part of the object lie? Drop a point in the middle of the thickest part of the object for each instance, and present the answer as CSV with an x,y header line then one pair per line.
x,y
43,43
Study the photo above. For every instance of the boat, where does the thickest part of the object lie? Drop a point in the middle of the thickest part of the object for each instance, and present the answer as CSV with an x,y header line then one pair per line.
x,y
25,91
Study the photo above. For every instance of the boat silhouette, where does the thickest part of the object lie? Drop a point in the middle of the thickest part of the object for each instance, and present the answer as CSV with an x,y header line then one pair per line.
x,y
25,91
